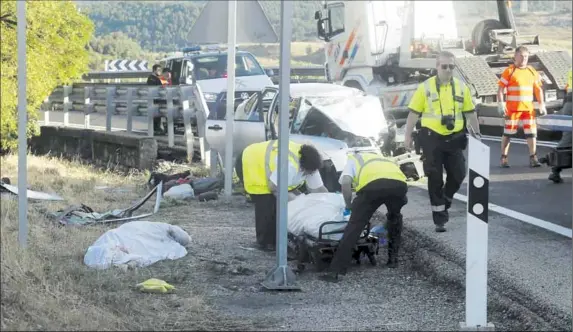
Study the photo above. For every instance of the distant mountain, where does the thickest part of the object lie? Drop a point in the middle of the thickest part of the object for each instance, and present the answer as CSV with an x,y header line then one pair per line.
x,y
164,25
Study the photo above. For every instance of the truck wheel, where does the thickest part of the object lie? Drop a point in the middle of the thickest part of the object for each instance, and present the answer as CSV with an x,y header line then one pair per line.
x,y
480,35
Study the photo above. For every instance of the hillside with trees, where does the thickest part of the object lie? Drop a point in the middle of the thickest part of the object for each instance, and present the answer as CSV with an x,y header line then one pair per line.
x,y
163,26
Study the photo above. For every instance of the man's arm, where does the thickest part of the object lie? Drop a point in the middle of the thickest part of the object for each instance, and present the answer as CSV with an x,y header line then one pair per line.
x,y
538,91
500,93
314,183
346,185
469,112
417,106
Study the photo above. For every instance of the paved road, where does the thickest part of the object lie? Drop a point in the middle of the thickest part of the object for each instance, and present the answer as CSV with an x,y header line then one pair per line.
x,y
527,190
518,188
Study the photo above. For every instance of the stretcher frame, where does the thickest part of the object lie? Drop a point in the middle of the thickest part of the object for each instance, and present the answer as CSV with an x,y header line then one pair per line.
x,y
319,252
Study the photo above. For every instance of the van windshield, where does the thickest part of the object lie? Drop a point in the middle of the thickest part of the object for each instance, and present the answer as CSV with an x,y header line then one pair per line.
x,y
208,67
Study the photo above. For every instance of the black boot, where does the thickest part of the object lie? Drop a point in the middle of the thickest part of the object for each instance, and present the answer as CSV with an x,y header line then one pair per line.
x,y
394,226
555,176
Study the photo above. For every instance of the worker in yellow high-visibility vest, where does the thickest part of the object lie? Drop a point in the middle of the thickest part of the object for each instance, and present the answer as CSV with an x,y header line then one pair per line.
x,y
377,181
443,102
256,167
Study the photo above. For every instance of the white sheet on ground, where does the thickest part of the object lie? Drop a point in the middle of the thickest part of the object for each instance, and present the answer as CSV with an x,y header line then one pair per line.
x,y
138,242
307,212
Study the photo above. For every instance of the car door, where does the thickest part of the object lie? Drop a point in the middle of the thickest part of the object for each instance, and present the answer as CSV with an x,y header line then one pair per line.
x,y
248,126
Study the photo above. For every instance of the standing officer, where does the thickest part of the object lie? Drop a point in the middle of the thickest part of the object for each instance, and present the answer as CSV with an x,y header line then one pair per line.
x,y
521,82
256,167
566,138
377,181
442,101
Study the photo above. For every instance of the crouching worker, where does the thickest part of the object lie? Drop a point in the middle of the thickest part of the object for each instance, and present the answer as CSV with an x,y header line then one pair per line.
x,y
377,181
256,168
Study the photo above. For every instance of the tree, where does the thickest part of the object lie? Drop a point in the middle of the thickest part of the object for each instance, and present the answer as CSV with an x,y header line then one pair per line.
x,y
57,35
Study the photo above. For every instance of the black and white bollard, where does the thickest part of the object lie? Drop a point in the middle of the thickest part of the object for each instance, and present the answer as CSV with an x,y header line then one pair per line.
x,y
477,238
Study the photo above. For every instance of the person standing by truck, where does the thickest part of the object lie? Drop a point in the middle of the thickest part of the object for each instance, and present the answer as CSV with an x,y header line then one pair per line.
x,y
520,83
442,102
155,79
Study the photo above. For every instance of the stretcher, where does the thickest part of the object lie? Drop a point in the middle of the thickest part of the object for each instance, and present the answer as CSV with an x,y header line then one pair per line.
x,y
319,250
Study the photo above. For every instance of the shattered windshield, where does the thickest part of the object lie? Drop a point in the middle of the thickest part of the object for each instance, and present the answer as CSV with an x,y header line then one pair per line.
x,y
354,120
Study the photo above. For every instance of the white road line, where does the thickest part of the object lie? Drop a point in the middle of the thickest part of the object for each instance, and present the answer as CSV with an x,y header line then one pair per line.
x,y
547,144
515,215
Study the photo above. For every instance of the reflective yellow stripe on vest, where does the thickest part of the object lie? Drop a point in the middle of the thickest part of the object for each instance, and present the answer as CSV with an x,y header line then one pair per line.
x,y
386,169
432,117
259,163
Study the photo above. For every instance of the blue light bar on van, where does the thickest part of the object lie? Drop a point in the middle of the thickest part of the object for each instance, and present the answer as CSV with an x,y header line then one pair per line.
x,y
195,48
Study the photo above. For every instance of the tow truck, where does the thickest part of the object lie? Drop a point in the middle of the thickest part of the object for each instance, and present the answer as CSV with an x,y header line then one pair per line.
x,y
386,48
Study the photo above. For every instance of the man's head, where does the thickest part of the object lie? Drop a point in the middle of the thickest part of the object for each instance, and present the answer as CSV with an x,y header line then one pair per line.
x,y
521,57
310,159
157,70
166,73
445,65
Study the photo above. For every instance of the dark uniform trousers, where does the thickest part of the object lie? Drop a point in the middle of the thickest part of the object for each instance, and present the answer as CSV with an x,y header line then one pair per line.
x,y
265,211
391,193
439,153
566,138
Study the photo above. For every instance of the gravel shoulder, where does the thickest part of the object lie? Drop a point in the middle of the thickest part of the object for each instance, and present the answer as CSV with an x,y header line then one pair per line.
x,y
227,273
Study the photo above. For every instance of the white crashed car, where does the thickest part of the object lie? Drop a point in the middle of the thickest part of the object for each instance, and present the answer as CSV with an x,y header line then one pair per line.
x,y
334,118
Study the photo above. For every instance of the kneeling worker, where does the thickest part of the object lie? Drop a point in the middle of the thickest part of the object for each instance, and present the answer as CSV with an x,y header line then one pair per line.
x,y
256,167
377,181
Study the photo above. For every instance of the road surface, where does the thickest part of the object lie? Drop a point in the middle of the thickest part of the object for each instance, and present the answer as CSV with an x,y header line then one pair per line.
x,y
519,188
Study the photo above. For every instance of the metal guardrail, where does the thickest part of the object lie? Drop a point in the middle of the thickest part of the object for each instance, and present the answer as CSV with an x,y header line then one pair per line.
x,y
184,102
315,71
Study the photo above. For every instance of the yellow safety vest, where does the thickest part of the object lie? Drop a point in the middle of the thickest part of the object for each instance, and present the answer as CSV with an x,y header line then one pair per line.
x,y
371,166
259,163
442,102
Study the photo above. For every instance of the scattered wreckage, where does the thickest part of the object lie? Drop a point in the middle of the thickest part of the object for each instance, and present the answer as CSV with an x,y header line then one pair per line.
x,y
336,119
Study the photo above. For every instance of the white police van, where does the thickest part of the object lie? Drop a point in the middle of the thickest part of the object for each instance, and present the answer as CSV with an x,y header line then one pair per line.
x,y
208,67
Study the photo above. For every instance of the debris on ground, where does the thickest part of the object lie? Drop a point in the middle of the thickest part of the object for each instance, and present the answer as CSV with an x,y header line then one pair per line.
x,y
155,286
139,243
5,186
84,215
184,185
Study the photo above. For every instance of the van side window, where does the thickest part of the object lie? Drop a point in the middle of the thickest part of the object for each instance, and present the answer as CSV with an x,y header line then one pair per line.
x,y
336,15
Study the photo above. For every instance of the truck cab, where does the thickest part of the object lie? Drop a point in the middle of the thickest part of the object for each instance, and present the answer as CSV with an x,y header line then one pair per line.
x,y
386,48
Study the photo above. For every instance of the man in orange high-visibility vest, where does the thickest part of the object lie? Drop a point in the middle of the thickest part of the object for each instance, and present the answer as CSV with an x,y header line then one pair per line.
x,y
520,83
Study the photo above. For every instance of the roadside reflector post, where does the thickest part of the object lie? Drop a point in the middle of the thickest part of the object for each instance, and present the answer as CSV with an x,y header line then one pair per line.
x,y
282,277
477,238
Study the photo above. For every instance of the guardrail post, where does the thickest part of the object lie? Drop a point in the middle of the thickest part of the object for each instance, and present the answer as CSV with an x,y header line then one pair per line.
x,y
129,103
110,107
87,106
185,99
46,106
151,93
170,111
209,157
67,89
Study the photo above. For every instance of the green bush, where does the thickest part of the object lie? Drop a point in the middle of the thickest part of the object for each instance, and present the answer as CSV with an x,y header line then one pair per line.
x,y
57,35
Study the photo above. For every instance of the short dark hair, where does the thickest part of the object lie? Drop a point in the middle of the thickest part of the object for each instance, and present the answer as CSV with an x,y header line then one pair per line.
x,y
310,159
155,67
444,54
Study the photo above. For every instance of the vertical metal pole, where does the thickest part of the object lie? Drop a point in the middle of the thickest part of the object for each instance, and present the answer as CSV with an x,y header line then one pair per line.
x,y
477,237
22,124
232,44
282,278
